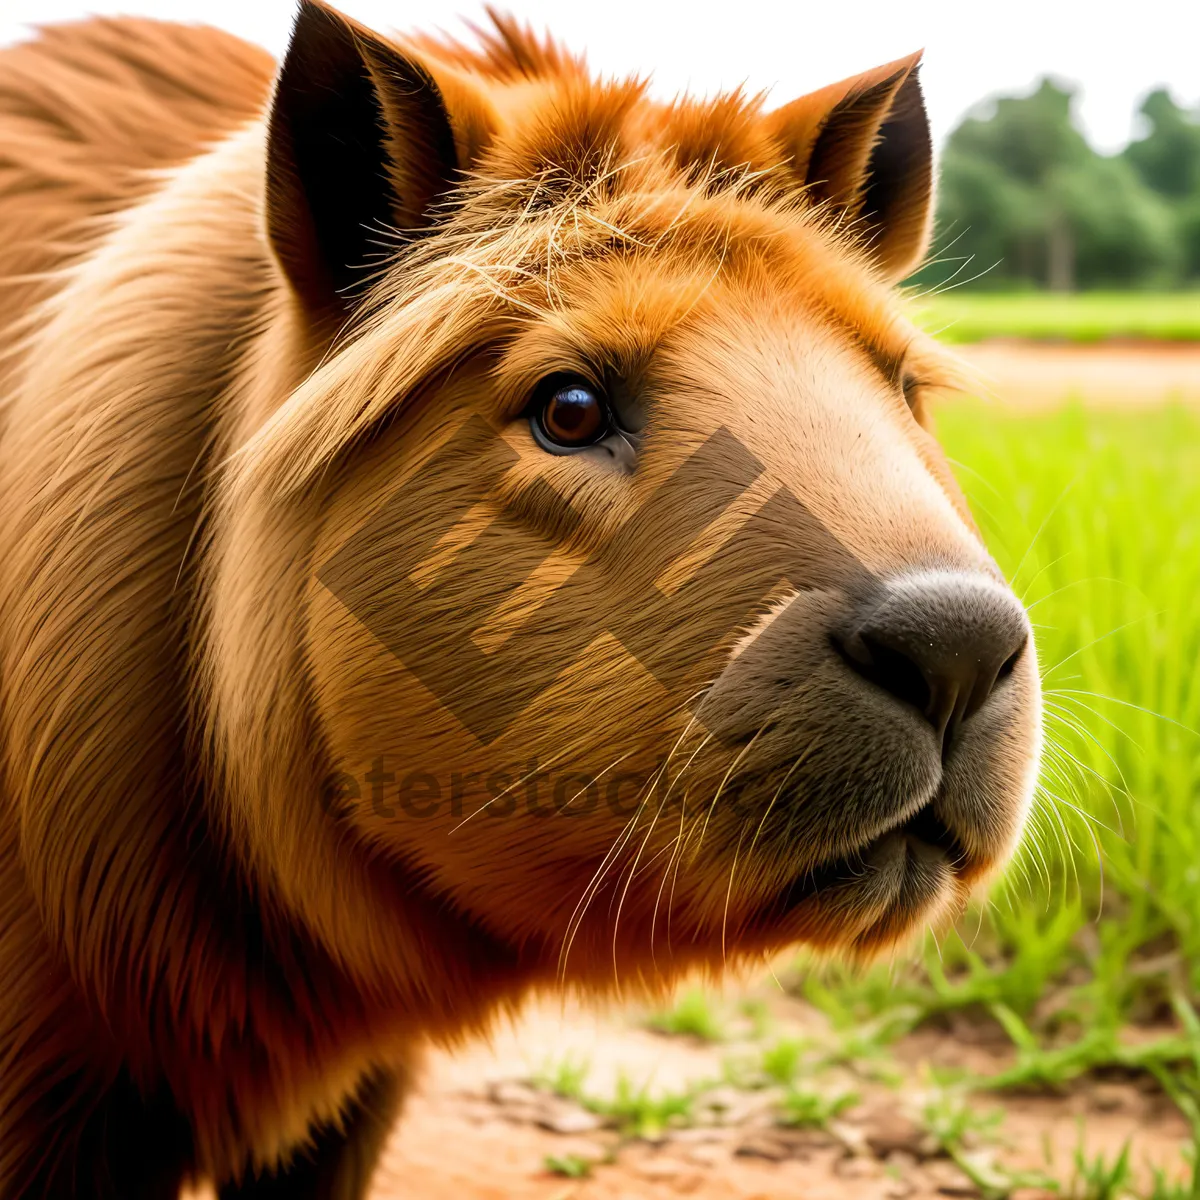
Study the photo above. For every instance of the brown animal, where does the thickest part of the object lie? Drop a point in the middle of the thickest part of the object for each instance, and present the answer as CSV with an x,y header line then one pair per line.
x,y
465,529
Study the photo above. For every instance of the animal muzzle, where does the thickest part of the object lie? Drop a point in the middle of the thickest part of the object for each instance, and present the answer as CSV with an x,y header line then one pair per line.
x,y
884,743
940,642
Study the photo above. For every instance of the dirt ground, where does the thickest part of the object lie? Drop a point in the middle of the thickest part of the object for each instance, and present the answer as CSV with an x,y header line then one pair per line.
x,y
1110,375
482,1127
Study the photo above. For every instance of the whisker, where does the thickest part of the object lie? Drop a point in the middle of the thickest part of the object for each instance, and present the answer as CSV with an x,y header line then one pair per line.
x,y
1129,704
675,846
524,779
1087,646
616,762
799,762
589,892
1092,711
623,841
729,893
1042,527
721,786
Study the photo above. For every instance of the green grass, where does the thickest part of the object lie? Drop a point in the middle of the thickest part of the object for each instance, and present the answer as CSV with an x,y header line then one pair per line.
x,y
960,316
693,1016
965,1135
1099,1178
806,1108
569,1166
639,1112
781,1060
635,1110
1096,518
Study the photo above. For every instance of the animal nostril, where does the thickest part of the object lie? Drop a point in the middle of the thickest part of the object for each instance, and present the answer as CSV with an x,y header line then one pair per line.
x,y
888,667
1010,663
939,643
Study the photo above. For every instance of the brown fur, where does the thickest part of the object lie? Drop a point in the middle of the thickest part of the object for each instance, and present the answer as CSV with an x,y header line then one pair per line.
x,y
212,963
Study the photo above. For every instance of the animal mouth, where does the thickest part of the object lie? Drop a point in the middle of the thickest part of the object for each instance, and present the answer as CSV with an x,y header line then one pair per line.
x,y
921,845
928,829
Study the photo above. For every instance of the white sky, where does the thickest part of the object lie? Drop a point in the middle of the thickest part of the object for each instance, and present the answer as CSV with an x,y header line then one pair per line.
x,y
1115,51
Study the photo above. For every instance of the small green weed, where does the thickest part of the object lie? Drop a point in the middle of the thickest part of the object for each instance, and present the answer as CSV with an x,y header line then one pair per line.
x,y
781,1060
692,1016
635,1110
1164,1187
565,1078
638,1112
1098,1178
808,1109
570,1166
963,1133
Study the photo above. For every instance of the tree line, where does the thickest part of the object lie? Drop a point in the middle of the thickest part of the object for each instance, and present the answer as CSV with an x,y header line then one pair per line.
x,y
1025,201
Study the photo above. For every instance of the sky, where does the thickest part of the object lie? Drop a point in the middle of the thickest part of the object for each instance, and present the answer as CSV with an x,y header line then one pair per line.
x,y
1115,52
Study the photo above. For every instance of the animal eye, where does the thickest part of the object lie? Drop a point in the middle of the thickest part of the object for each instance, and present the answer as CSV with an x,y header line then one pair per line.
x,y
567,414
911,385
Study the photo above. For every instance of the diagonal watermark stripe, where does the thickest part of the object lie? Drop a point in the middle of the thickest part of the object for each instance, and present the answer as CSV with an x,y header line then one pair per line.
x,y
677,638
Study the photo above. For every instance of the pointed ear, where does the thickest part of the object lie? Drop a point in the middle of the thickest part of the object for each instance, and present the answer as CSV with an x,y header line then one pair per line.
x,y
361,144
862,147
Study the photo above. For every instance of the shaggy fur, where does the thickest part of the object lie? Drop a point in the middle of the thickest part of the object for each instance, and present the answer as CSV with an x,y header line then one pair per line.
x,y
240,320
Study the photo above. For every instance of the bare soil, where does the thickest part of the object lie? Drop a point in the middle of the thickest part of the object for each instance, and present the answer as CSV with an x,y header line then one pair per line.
x,y
482,1126
1030,375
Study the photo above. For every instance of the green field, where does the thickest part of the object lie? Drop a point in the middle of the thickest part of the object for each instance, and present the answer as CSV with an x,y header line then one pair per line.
x,y
1096,517
958,316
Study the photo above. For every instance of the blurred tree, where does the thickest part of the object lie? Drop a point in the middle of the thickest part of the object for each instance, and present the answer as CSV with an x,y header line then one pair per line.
x,y
1189,238
1027,137
1168,161
987,222
1026,201
1168,157
1121,234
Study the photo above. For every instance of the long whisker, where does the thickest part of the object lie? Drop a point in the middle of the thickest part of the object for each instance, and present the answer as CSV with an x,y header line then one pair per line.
x,y
1112,788
524,779
1042,528
675,845
1029,586
721,786
649,832
617,847
1066,587
1129,704
1067,761
677,856
1092,711
729,893
616,762
1035,845
589,892
796,765
1062,662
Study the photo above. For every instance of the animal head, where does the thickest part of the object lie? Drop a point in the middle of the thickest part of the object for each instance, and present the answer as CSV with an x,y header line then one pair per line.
x,y
633,613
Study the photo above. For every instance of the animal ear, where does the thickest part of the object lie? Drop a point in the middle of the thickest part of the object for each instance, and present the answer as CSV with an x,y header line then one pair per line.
x,y
360,146
862,147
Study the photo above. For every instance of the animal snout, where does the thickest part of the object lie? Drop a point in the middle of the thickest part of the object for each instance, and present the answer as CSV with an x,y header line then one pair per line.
x,y
940,642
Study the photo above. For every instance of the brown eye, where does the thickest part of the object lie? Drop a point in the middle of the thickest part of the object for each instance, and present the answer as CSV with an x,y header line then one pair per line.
x,y
912,386
568,414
